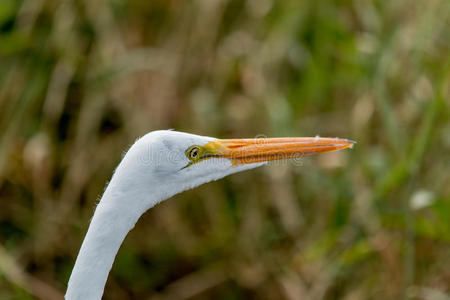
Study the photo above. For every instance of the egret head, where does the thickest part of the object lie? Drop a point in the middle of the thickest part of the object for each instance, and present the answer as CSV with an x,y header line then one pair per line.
x,y
184,160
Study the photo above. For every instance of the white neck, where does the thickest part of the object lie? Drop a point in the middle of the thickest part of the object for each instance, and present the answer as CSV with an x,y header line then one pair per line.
x,y
112,220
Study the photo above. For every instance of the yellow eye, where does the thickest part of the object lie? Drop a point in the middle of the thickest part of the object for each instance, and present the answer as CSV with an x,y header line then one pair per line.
x,y
193,153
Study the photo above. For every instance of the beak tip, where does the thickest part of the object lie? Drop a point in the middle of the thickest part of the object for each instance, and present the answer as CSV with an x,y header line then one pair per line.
x,y
352,143
344,144
349,143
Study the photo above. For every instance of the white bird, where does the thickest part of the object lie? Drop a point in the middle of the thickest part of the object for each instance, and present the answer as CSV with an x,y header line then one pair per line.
x,y
158,166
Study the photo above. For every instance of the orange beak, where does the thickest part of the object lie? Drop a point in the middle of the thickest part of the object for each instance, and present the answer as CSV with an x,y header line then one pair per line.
x,y
246,151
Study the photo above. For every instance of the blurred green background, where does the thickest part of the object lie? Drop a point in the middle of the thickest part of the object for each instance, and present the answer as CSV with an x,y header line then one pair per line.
x,y
81,80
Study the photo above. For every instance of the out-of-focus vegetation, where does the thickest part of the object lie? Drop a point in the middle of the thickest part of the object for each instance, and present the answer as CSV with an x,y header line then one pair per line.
x,y
81,80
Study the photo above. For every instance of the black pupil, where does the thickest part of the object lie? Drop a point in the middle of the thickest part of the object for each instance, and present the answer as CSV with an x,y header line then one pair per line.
x,y
194,152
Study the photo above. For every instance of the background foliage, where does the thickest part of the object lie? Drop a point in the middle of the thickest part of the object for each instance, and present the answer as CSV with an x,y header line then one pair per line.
x,y
81,80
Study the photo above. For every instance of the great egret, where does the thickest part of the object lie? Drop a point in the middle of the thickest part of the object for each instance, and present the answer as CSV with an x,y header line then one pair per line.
x,y
158,166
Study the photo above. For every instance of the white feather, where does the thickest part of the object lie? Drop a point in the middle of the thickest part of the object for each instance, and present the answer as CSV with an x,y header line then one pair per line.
x,y
151,171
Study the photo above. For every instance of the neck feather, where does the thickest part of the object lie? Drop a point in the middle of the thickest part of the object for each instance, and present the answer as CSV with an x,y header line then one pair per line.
x,y
113,219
